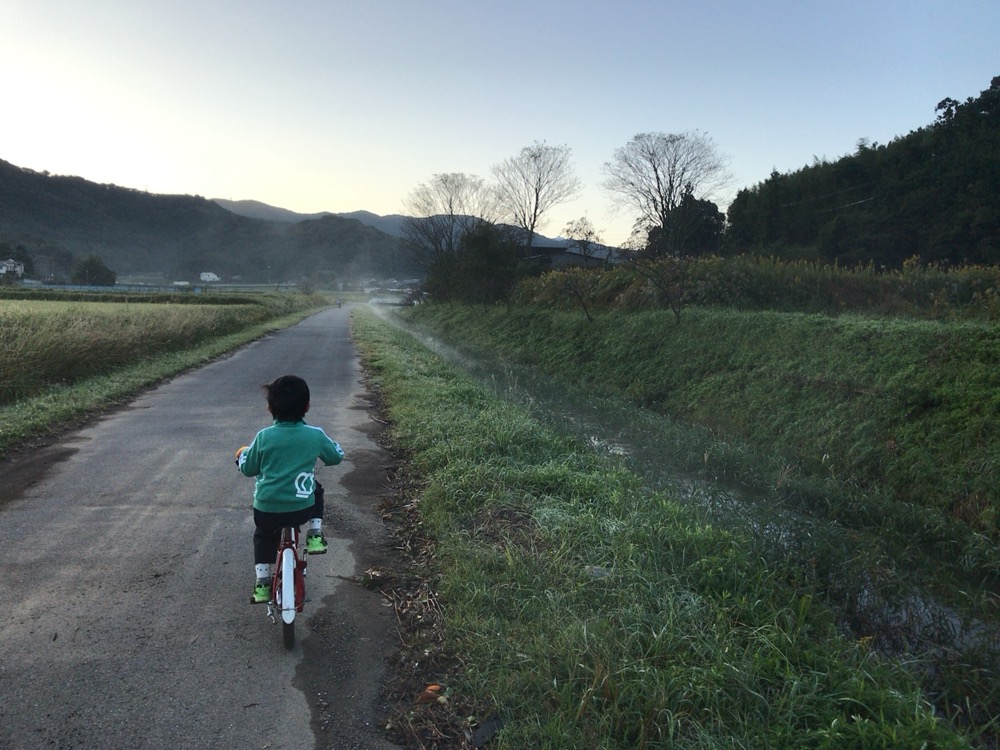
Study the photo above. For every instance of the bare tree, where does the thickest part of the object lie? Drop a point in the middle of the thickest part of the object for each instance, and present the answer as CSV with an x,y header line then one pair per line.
x,y
441,211
666,179
653,172
531,183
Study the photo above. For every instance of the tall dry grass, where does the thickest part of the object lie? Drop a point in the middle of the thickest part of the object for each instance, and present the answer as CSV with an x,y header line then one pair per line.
x,y
43,344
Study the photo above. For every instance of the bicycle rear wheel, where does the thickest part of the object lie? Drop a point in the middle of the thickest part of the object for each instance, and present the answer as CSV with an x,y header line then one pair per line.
x,y
288,634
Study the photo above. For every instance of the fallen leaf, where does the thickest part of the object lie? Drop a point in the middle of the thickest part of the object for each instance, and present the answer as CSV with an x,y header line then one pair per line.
x,y
429,694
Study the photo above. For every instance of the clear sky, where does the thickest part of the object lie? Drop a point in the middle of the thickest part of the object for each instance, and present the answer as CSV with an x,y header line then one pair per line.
x,y
341,105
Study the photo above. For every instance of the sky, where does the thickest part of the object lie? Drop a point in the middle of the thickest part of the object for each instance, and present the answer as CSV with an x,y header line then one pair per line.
x,y
344,105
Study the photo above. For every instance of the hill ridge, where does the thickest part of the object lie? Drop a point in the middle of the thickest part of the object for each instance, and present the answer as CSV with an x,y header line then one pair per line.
x,y
181,236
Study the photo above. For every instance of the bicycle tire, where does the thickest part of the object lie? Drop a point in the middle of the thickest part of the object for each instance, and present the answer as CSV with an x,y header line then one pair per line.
x,y
287,602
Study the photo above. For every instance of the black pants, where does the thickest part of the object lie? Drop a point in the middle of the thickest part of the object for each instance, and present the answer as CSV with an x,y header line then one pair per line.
x,y
267,533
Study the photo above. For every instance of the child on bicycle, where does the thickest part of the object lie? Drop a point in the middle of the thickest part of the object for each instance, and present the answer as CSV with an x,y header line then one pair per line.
x,y
283,458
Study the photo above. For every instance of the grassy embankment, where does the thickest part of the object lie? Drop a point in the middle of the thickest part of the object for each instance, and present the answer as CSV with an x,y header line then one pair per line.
x,y
590,610
62,360
881,433
868,421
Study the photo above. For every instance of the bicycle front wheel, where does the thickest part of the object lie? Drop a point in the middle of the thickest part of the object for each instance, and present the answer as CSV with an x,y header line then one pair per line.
x,y
286,599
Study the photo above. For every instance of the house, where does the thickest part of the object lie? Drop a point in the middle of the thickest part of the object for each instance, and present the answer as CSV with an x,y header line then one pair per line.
x,y
573,254
590,256
11,269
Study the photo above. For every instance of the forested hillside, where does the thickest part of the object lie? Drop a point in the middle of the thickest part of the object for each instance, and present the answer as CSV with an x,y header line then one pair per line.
x,y
934,193
134,232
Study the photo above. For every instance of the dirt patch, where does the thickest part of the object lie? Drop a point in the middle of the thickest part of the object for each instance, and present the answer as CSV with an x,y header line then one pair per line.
x,y
23,468
422,711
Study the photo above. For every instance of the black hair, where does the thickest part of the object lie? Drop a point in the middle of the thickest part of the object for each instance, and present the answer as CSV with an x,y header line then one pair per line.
x,y
288,398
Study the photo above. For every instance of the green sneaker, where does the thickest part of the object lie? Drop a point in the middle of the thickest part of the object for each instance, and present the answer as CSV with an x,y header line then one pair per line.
x,y
316,544
261,592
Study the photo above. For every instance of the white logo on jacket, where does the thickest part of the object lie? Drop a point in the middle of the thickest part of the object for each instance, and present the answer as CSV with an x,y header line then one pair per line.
x,y
305,483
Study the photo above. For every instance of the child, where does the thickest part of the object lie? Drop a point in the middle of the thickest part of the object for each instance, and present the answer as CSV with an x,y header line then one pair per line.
x,y
283,458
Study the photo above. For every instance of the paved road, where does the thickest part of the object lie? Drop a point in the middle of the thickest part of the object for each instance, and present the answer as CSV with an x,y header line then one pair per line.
x,y
126,568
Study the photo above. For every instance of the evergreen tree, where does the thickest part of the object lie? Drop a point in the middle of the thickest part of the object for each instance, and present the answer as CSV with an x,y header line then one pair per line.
x,y
934,193
91,271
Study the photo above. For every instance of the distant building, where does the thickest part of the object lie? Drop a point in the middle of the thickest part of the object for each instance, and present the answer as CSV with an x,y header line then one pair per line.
x,y
11,268
572,254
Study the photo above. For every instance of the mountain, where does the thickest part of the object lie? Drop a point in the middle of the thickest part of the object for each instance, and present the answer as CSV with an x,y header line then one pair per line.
x,y
181,236
391,225
258,210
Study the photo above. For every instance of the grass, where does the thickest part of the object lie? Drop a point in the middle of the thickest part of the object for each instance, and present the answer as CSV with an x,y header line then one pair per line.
x,y
891,519
589,610
61,361
901,414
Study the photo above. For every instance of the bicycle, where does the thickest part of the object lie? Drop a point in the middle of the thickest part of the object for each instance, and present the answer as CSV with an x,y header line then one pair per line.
x,y
288,579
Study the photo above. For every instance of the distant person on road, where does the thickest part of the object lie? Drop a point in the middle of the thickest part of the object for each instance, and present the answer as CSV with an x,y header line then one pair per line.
x,y
283,458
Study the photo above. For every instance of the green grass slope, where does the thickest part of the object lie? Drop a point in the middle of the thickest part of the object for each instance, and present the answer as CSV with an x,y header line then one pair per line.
x,y
905,413
586,610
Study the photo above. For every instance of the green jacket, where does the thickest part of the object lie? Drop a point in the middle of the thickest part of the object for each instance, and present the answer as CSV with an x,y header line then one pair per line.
x,y
283,458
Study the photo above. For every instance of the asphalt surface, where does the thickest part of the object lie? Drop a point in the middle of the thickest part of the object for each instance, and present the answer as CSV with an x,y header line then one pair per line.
x,y
126,568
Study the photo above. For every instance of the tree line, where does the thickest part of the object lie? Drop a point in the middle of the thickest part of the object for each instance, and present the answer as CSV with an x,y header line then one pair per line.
x,y
932,194
473,239
87,271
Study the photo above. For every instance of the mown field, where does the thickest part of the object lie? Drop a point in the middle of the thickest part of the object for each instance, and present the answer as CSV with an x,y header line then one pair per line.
x,y
584,608
63,358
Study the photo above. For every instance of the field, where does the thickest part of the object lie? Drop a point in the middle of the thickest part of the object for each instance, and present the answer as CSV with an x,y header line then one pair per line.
x,y
61,359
